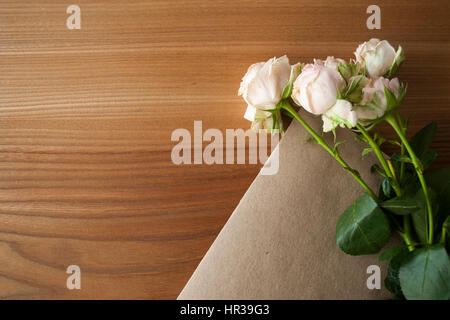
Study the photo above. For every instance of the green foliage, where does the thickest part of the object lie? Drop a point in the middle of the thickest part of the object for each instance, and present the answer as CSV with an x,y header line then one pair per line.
x,y
401,205
445,230
366,151
401,96
390,253
445,236
425,274
336,144
353,91
363,228
439,181
421,141
391,100
348,70
395,143
392,281
428,158
400,158
386,186
420,216
379,140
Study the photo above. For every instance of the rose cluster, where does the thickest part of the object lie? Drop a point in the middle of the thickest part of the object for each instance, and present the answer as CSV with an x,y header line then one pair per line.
x,y
410,199
342,93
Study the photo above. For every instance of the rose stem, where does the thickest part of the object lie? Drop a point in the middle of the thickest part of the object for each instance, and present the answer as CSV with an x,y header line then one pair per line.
x,y
287,106
418,167
379,154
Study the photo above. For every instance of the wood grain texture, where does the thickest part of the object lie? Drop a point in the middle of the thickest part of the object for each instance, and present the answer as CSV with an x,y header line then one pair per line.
x,y
86,118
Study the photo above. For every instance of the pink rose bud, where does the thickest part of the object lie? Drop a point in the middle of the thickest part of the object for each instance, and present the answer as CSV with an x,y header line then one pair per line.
x,y
263,84
377,57
374,104
316,88
332,62
341,114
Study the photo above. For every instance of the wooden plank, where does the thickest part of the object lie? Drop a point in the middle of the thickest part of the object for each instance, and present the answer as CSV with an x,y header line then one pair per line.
x,y
86,118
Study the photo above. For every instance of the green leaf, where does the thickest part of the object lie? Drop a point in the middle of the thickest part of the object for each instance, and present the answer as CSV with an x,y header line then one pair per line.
x,y
446,230
399,158
446,225
390,253
348,70
392,282
354,90
386,186
391,100
395,143
363,228
352,86
439,181
428,158
401,205
338,143
379,140
421,141
425,274
366,151
402,94
381,195
411,183
420,216
420,219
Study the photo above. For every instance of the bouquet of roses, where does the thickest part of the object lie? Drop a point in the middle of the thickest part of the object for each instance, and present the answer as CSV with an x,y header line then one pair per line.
x,y
413,202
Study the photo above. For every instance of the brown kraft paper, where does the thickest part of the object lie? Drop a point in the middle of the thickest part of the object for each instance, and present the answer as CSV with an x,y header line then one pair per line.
x,y
279,242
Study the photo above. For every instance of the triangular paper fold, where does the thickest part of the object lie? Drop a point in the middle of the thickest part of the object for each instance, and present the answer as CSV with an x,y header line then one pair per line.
x,y
279,242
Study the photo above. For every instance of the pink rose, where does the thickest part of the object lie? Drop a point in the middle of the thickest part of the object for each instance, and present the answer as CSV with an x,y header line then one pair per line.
x,y
373,104
316,88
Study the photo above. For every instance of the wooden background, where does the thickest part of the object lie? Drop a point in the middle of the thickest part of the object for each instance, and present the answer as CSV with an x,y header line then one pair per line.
x,y
86,118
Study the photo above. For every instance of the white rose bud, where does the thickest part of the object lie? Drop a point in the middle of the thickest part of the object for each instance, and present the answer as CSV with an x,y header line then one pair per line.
x,y
316,88
377,56
262,88
332,62
374,103
263,119
271,124
263,84
341,114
